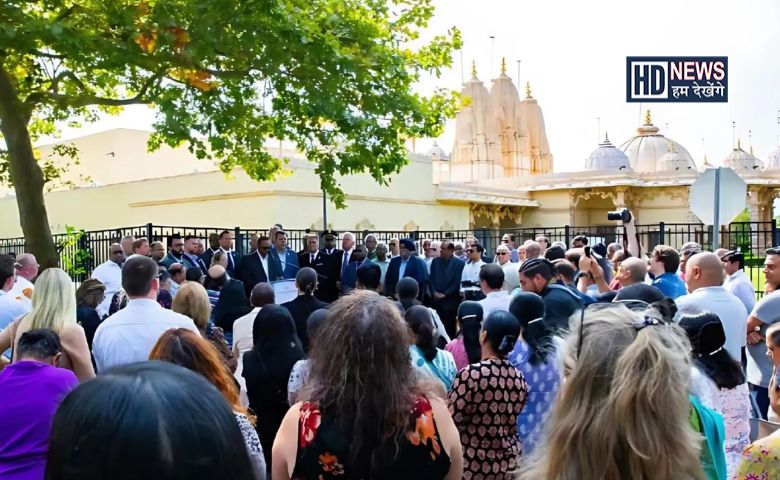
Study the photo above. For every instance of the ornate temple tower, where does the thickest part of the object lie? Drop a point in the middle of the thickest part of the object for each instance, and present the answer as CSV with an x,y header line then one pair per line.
x,y
498,135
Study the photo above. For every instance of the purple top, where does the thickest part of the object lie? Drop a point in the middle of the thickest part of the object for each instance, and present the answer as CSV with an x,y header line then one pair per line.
x,y
458,351
30,392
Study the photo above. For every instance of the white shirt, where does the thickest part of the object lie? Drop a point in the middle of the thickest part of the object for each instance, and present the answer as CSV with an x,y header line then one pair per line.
x,y
23,289
129,335
511,276
739,285
264,262
243,342
11,308
471,273
110,274
727,307
428,262
495,301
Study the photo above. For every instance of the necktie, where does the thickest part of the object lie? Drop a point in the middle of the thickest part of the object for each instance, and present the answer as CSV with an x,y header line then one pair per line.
x,y
311,259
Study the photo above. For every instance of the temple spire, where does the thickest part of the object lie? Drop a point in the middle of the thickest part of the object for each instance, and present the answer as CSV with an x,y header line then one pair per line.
x,y
503,66
528,90
474,69
648,119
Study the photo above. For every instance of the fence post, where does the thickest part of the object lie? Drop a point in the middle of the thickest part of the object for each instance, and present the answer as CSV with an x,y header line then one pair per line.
x,y
774,233
149,233
567,235
661,234
238,241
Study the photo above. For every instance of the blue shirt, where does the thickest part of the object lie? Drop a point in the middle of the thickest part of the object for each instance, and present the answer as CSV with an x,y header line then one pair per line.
x,y
402,268
670,285
544,382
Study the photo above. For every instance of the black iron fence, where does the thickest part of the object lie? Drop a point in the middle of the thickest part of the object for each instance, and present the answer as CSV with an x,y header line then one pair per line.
x,y
82,251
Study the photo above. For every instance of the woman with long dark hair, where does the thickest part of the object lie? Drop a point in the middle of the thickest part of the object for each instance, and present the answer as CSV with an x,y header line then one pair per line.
x,y
365,414
267,369
465,348
231,305
707,337
535,357
429,360
485,401
146,420
187,349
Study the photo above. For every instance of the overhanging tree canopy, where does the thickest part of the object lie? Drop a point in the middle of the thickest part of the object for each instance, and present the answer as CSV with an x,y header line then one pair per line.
x,y
335,77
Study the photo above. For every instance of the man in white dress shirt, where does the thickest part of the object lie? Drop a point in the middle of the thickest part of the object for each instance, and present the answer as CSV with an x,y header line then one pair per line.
x,y
737,283
704,277
469,278
110,274
511,270
129,335
491,278
26,270
11,306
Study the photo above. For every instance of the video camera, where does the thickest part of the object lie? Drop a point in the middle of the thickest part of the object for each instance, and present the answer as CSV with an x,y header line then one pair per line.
x,y
621,214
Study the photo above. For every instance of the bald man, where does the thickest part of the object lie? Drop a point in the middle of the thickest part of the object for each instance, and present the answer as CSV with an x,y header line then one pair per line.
x,y
704,277
110,274
26,271
631,273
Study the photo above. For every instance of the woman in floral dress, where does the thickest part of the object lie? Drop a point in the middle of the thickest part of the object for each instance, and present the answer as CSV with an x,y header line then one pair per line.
x,y
355,423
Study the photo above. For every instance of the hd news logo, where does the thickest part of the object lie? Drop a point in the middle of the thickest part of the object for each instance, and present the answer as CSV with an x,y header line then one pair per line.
x,y
677,79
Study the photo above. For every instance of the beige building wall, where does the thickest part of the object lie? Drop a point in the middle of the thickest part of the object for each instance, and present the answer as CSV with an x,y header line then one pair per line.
x,y
211,199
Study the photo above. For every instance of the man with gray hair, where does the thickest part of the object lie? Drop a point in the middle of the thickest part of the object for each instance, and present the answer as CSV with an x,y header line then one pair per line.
x,y
433,251
127,244
532,250
511,270
370,242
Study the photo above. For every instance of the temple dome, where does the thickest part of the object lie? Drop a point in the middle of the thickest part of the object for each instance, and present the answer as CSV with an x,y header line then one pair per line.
x,y
646,149
773,160
674,161
437,153
607,157
742,161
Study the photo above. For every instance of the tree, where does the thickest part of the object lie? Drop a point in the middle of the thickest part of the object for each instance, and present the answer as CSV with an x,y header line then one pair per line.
x,y
335,77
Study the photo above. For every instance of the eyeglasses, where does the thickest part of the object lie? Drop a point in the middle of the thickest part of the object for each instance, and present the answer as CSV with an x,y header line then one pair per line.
x,y
469,250
502,253
116,252
392,244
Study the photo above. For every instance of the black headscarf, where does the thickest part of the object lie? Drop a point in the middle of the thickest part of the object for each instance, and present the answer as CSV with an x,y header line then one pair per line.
x,y
231,305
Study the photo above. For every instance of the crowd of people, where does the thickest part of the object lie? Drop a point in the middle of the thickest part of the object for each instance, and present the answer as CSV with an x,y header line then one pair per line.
x,y
412,359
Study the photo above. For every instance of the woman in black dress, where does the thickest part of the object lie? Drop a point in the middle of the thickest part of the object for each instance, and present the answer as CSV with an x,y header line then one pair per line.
x,y
267,369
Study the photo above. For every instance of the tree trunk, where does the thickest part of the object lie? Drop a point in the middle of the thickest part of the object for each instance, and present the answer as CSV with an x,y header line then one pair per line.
x,y
26,175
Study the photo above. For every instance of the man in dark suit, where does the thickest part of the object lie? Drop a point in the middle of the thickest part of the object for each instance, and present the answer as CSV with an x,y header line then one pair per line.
x,y
305,303
407,264
312,257
284,259
226,246
349,276
257,267
328,290
444,285
213,247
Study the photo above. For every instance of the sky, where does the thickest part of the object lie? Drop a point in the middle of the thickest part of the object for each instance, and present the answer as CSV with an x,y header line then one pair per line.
x,y
574,53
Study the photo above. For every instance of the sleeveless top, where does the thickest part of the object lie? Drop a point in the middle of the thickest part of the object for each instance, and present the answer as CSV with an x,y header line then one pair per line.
x,y
323,448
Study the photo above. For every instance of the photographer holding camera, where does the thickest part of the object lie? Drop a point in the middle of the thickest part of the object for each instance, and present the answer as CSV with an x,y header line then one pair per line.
x,y
630,238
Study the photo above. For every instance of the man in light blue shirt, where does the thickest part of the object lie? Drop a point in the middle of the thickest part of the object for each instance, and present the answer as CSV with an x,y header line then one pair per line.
x,y
129,335
737,283
11,306
663,265
704,276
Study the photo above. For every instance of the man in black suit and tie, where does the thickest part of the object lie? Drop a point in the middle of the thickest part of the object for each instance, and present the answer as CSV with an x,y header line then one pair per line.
x,y
407,264
226,246
312,257
257,266
328,290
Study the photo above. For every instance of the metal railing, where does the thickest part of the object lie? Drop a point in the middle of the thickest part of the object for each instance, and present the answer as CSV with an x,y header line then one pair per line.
x,y
752,237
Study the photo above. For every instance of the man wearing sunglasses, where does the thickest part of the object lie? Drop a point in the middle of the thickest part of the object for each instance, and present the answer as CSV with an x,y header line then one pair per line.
x,y
256,267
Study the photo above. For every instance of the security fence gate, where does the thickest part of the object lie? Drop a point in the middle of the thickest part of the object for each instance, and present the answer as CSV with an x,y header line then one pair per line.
x,y
81,251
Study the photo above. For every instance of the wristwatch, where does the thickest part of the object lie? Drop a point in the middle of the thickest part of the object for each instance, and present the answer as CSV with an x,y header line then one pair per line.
x,y
757,328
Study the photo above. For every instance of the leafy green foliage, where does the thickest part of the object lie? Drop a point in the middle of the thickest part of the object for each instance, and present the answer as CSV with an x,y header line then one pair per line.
x,y
74,257
334,77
